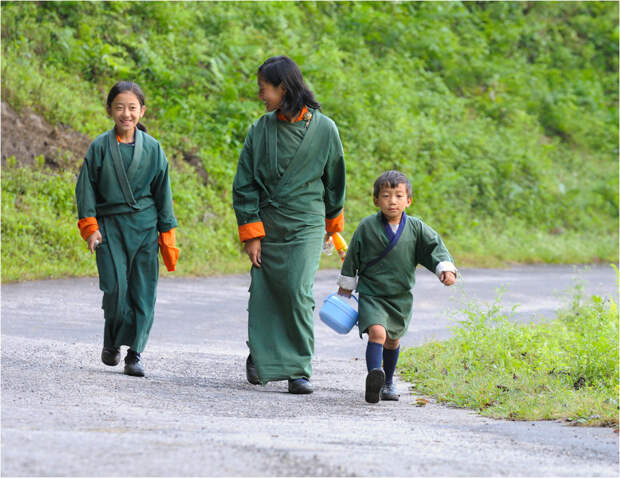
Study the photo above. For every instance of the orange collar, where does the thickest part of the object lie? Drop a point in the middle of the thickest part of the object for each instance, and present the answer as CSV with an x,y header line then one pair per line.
x,y
299,117
118,138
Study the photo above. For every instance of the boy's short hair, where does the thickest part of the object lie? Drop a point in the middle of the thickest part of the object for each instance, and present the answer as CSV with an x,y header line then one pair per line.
x,y
391,179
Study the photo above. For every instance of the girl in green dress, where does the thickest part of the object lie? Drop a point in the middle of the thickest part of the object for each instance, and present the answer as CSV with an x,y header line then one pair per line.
x,y
125,216
289,188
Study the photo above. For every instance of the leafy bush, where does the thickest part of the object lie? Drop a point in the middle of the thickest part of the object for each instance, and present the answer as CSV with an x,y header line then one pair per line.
x,y
503,114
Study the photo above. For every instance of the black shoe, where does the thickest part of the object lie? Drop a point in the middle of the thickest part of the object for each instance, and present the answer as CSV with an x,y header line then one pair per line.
x,y
300,386
133,366
250,371
374,382
388,392
111,356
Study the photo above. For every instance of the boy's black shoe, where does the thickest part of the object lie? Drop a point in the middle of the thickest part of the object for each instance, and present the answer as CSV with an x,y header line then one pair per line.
x,y
111,356
300,386
250,371
133,366
374,382
388,392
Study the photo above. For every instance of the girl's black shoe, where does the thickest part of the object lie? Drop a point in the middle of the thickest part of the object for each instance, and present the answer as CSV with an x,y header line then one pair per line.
x,y
133,366
111,356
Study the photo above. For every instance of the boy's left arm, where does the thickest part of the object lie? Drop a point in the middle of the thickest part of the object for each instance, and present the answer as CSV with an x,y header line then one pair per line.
x,y
432,253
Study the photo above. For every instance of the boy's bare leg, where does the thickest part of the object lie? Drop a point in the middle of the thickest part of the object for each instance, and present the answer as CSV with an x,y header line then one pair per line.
x,y
377,334
391,344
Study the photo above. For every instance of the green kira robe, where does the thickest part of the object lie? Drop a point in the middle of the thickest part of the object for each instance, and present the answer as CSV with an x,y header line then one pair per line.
x,y
291,179
127,256
385,296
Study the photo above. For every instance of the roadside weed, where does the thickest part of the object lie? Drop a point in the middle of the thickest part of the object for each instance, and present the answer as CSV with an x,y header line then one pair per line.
x,y
564,369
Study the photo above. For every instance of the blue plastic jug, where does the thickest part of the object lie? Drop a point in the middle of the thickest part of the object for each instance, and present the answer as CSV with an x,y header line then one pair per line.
x,y
337,314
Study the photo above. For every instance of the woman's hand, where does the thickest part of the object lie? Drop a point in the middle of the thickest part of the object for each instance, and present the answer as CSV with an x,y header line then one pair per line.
x,y
93,241
252,248
344,292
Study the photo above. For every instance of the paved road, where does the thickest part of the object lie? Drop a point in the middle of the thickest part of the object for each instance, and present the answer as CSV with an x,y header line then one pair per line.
x,y
66,414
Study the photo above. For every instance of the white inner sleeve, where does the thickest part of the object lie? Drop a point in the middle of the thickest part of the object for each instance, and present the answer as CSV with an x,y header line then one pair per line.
x,y
445,266
346,282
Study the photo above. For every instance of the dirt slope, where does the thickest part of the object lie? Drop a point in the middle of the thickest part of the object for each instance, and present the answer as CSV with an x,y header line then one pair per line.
x,y
27,135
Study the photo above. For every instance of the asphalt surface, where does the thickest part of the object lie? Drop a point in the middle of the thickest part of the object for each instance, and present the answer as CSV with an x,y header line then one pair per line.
x,y
66,414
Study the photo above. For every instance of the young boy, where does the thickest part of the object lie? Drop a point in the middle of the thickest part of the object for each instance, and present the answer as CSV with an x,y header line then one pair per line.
x,y
380,264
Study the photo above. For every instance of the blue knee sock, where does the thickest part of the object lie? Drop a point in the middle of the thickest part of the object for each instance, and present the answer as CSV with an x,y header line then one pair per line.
x,y
374,352
390,358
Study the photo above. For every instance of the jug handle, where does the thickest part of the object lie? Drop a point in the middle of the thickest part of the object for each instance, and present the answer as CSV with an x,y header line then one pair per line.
x,y
336,293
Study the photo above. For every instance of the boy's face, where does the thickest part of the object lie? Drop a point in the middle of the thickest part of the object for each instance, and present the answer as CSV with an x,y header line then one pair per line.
x,y
393,201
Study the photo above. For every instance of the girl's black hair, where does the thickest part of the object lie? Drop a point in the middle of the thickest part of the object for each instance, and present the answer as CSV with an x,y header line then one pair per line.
x,y
123,86
282,70
391,179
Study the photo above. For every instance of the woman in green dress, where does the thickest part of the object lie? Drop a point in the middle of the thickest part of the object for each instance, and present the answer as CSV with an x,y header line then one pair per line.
x,y
124,203
288,190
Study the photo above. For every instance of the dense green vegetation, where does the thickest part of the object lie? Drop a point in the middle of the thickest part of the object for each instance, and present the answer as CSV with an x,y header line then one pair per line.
x,y
563,369
503,114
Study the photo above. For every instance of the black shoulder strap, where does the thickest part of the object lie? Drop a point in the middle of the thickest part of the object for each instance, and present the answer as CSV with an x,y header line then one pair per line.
x,y
394,237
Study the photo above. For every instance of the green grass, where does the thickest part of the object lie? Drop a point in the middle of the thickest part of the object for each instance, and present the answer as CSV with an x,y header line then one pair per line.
x,y
564,369
504,115
40,238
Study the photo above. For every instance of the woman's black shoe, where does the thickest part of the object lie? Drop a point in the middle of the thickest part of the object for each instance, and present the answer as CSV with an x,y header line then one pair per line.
x,y
250,371
374,383
300,386
110,356
133,366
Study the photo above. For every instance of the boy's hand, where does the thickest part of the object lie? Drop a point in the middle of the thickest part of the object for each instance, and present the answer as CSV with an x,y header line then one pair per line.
x,y
93,241
252,248
344,292
447,278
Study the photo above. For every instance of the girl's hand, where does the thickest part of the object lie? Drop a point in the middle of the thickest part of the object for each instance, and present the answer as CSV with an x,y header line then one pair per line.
x,y
93,241
252,248
344,292
447,278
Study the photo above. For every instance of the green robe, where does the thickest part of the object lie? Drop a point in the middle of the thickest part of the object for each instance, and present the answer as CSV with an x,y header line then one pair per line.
x,y
385,296
127,256
289,178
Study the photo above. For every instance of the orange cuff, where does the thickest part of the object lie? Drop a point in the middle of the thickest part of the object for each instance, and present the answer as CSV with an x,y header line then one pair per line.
x,y
336,224
252,230
88,226
169,252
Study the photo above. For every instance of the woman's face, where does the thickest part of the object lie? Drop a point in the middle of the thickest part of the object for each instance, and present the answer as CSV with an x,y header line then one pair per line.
x,y
270,95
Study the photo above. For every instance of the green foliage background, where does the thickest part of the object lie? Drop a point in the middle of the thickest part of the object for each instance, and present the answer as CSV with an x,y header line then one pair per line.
x,y
503,114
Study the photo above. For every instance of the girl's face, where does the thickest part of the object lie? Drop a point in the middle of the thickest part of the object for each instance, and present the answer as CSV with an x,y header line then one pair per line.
x,y
270,95
126,111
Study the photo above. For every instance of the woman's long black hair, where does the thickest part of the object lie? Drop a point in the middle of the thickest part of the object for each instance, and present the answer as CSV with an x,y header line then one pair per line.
x,y
123,86
282,70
